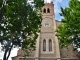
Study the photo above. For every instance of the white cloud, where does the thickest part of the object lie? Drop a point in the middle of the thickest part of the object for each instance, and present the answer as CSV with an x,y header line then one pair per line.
x,y
47,1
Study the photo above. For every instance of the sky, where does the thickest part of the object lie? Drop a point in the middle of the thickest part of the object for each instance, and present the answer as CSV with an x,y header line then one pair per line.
x,y
57,5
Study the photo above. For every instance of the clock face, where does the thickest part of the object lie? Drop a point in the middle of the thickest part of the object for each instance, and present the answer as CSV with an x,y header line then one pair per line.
x,y
46,25
47,22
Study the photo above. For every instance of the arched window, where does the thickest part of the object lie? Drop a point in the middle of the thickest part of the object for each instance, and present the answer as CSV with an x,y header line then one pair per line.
x,y
44,45
50,45
48,10
44,10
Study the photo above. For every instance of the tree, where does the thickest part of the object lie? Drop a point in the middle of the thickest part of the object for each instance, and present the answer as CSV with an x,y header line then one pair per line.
x,y
19,24
69,31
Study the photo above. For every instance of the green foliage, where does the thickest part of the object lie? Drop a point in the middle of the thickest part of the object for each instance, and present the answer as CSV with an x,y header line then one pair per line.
x,y
69,31
19,23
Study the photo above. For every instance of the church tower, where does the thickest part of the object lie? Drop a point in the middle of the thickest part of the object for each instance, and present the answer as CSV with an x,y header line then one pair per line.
x,y
48,43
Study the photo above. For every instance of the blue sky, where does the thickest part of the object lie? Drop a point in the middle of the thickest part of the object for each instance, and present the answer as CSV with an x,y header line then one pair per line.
x,y
57,5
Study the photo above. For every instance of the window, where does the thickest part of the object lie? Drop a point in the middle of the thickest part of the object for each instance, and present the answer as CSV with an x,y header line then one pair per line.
x,y
44,10
48,10
50,45
44,45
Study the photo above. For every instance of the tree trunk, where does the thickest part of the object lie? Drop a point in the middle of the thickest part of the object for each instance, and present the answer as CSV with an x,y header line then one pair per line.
x,y
8,49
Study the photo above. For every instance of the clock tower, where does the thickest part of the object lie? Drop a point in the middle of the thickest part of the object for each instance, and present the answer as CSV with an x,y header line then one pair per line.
x,y
48,43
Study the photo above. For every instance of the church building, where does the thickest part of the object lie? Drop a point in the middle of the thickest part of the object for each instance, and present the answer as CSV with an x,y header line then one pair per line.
x,y
47,45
